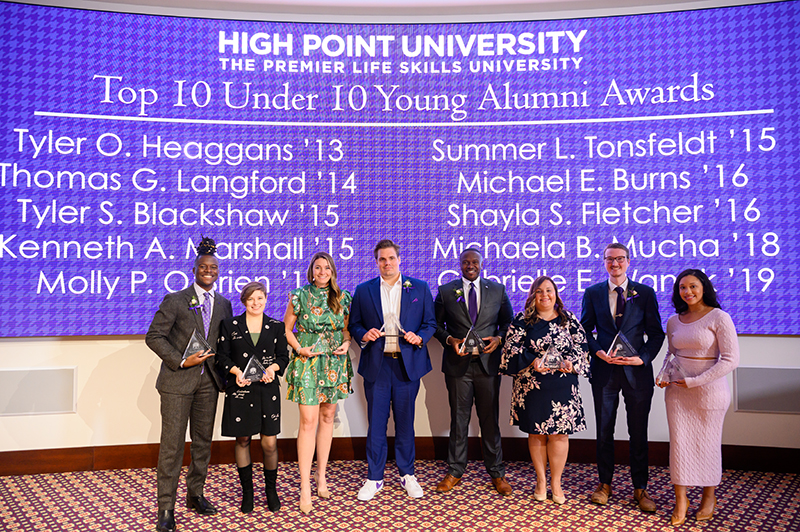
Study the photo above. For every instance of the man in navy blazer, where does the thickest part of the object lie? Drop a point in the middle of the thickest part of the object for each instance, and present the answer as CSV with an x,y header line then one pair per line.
x,y
613,306
392,362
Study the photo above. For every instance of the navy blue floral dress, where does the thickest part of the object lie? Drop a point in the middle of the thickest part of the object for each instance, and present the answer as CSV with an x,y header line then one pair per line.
x,y
545,403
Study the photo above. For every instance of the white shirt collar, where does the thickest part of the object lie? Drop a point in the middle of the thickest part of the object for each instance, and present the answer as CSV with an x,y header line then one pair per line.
x,y
201,293
624,285
390,286
466,282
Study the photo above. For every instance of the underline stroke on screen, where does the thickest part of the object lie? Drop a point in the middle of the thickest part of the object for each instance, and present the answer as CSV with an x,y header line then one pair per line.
x,y
402,124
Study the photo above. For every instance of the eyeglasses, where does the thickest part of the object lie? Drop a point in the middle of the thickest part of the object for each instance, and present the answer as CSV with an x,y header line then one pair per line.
x,y
618,260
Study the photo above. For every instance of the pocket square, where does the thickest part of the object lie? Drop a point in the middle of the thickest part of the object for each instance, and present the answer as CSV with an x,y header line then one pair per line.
x,y
415,300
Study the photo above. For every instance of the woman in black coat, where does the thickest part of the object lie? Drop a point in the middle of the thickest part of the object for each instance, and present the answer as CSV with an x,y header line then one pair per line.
x,y
253,400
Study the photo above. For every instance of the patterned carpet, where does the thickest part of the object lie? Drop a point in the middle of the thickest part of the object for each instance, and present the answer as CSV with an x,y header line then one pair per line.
x,y
124,500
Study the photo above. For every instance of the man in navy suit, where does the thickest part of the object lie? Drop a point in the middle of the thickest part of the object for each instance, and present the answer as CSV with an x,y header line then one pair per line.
x,y
614,306
471,375
393,360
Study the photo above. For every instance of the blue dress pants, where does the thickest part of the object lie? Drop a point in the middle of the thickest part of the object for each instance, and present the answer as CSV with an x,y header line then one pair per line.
x,y
391,391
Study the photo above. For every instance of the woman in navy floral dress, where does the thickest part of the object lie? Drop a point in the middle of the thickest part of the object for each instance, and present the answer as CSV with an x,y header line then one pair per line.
x,y
546,403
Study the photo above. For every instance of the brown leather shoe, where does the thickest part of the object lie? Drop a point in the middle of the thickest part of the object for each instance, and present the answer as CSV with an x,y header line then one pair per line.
x,y
646,504
502,486
448,482
601,494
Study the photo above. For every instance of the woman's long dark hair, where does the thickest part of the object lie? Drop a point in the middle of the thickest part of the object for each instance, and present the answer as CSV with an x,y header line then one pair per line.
x,y
530,314
334,292
709,294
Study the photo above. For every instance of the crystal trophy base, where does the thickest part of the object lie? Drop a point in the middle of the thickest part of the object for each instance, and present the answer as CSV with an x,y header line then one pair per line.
x,y
671,372
552,359
473,343
253,371
621,347
322,346
196,343
391,326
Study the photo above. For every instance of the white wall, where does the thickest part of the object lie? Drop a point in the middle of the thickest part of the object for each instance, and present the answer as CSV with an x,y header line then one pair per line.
x,y
117,403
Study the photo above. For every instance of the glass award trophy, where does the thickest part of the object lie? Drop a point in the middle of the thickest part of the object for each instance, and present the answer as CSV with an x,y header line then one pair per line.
x,y
391,326
322,346
472,343
196,343
552,359
671,371
621,347
253,371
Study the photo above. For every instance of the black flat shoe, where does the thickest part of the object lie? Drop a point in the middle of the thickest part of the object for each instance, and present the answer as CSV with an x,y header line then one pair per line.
x,y
200,505
166,521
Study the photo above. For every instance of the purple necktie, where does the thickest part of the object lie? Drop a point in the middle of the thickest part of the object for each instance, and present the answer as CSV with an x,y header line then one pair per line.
x,y
207,312
620,307
473,303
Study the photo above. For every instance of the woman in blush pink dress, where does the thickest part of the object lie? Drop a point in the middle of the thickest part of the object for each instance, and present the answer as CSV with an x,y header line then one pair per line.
x,y
703,339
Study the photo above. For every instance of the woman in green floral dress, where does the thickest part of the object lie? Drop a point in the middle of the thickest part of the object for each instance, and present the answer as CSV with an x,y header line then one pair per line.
x,y
319,370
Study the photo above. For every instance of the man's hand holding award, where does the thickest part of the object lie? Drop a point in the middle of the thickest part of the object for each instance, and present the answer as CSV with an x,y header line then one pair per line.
x,y
197,351
472,344
623,353
392,330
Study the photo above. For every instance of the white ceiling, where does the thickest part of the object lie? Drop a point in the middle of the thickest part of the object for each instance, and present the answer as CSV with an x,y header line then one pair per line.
x,y
391,10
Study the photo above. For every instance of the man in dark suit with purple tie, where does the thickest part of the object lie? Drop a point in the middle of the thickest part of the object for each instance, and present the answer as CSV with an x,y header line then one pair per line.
x,y
619,305
188,387
471,375
392,316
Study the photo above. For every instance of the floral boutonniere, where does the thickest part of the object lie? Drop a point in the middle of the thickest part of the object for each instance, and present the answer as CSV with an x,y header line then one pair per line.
x,y
407,285
459,294
194,304
631,294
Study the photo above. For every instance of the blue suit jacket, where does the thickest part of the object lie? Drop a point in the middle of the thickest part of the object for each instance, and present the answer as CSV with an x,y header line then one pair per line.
x,y
640,317
416,315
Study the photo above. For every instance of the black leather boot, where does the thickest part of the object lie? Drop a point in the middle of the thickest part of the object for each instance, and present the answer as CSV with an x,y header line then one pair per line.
x,y
270,479
246,478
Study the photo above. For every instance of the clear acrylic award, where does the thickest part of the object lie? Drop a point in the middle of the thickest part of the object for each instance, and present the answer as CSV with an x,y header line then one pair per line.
x,y
621,347
552,359
391,326
322,345
472,342
253,371
671,371
196,343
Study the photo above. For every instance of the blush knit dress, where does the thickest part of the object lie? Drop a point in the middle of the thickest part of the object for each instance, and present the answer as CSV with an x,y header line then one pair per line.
x,y
707,350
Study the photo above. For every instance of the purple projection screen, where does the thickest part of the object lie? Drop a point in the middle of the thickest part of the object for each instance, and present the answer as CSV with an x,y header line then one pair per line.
x,y
127,137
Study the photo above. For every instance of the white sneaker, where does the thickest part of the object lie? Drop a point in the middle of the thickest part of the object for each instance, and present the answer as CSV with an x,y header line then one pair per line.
x,y
411,485
369,489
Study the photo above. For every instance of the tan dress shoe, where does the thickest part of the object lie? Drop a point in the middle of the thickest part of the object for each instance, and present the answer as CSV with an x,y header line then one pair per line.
x,y
675,520
502,487
601,494
646,504
448,482
706,517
